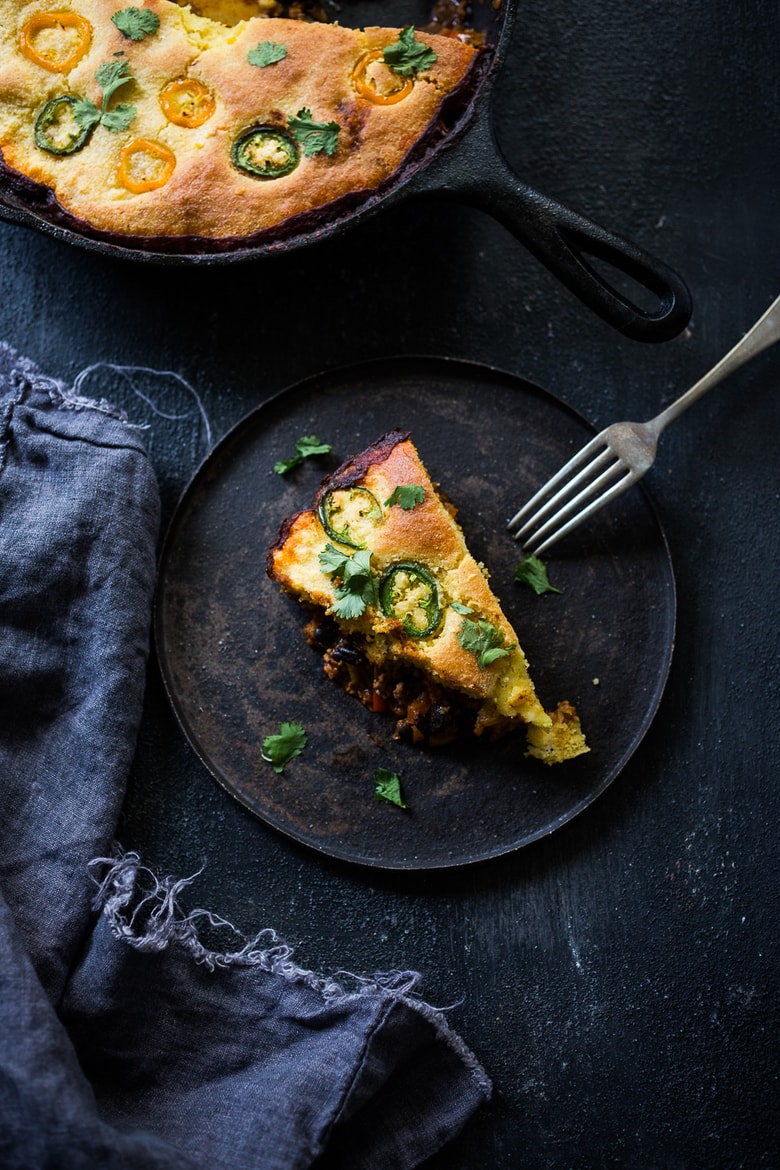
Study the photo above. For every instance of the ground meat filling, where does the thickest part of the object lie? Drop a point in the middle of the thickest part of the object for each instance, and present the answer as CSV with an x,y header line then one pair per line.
x,y
425,713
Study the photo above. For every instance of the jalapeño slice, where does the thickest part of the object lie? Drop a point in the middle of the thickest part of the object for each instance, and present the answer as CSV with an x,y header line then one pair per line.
x,y
187,102
344,512
409,593
55,40
145,165
56,128
264,152
366,85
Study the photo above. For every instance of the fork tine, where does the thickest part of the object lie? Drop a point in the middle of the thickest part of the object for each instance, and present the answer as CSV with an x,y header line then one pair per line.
x,y
611,493
595,444
585,481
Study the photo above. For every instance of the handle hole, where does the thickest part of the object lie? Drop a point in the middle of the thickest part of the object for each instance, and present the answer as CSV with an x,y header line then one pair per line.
x,y
636,284
633,291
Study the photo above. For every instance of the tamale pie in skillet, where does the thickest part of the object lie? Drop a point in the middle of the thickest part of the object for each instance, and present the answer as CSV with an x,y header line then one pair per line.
x,y
157,134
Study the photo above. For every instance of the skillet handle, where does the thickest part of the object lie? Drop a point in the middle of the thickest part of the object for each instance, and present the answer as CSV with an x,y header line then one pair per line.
x,y
475,172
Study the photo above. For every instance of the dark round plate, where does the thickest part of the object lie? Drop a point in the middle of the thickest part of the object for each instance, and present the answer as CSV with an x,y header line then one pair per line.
x,y
236,664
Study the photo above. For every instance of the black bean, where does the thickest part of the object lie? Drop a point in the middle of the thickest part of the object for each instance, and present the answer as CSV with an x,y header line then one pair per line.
x,y
344,652
440,716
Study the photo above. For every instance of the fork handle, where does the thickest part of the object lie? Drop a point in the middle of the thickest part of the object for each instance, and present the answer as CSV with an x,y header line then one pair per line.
x,y
764,333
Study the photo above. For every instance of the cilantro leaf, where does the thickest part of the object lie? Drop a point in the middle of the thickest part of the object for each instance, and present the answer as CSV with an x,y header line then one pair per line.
x,y
356,566
311,445
406,496
136,23
111,76
388,787
456,605
533,572
279,749
408,56
332,560
86,113
304,447
119,118
356,585
347,605
266,53
314,137
483,640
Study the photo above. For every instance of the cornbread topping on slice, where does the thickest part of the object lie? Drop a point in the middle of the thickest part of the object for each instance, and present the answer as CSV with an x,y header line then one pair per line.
x,y
404,613
150,120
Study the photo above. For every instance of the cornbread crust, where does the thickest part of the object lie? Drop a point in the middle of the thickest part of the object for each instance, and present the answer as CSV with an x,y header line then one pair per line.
x,y
207,196
427,535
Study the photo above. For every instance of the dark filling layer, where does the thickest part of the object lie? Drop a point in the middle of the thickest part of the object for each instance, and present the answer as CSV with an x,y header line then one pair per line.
x,y
424,711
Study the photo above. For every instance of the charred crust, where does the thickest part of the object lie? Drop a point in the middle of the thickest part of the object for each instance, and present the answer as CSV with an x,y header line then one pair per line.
x,y
351,472
280,541
354,469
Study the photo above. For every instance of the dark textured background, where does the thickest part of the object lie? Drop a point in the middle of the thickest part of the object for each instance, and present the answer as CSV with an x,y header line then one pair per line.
x,y
617,979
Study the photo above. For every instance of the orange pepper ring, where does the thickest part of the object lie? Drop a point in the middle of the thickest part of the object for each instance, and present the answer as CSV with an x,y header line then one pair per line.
x,y
156,150
42,20
367,88
184,85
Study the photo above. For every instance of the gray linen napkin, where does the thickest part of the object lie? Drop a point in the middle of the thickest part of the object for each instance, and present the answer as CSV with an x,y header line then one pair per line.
x,y
124,1041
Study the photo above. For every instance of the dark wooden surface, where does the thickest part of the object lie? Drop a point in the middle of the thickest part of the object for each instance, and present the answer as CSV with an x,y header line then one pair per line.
x,y
618,978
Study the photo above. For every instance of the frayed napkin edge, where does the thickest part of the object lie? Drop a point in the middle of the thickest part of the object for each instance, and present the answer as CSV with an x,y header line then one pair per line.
x,y
143,911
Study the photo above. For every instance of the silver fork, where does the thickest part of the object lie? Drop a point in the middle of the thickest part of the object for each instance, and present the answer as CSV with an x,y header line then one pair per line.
x,y
625,449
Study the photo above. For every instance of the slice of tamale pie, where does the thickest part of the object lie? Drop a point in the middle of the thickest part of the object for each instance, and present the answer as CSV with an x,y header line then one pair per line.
x,y
404,613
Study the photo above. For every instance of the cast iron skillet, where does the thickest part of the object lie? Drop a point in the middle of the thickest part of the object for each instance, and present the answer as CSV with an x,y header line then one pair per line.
x,y
459,158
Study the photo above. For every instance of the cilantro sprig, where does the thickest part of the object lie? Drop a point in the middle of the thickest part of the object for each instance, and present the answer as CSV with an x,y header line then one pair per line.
x,y
408,56
533,573
482,639
111,76
388,787
267,53
314,137
279,749
136,23
356,585
305,447
406,495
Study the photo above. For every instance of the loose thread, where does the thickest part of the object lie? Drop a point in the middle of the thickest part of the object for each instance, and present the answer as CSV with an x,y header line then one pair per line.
x,y
126,372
